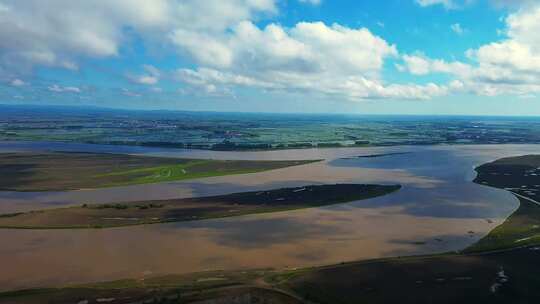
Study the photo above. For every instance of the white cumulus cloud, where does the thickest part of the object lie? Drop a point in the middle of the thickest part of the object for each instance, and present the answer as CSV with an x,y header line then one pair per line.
x,y
311,56
224,47
58,32
508,66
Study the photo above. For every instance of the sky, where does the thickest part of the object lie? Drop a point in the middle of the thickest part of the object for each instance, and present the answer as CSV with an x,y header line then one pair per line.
x,y
445,57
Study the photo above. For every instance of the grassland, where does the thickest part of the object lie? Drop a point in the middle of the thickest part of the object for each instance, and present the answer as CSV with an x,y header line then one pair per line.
x,y
59,171
150,212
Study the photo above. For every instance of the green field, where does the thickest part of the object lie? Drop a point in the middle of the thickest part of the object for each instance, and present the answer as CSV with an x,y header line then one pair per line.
x,y
58,171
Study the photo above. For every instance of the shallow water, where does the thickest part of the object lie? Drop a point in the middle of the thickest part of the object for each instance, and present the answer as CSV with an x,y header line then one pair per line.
x,y
438,210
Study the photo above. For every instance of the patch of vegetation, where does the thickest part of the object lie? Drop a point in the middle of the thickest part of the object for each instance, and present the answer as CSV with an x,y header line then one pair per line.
x,y
377,155
10,214
142,206
108,206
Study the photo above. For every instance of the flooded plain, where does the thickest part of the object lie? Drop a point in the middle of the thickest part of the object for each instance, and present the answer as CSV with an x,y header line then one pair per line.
x,y
438,209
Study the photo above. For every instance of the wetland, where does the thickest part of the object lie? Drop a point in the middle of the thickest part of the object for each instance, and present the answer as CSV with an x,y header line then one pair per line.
x,y
441,207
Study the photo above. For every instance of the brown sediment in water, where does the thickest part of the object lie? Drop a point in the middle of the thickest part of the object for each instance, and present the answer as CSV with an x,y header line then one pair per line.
x,y
300,238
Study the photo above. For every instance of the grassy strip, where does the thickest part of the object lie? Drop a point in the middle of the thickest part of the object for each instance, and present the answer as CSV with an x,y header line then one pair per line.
x,y
155,176
192,209
170,173
60,171
162,221
194,169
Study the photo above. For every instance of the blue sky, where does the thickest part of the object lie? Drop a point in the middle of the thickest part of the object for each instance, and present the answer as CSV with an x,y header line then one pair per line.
x,y
384,57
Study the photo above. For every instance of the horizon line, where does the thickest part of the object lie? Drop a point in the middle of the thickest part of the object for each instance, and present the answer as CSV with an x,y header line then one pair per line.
x,y
95,107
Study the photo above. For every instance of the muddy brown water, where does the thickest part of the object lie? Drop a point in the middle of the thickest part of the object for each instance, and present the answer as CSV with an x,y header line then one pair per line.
x,y
439,209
